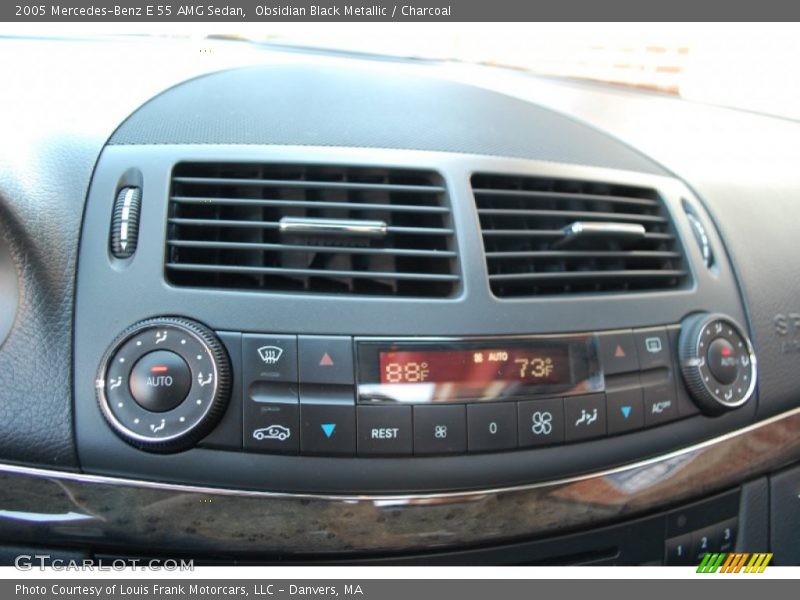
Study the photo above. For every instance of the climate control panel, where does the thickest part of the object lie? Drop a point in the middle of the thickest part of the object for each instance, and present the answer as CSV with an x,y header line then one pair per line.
x,y
165,383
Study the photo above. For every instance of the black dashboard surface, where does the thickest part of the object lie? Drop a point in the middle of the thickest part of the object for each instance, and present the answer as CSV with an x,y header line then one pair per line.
x,y
323,106
742,166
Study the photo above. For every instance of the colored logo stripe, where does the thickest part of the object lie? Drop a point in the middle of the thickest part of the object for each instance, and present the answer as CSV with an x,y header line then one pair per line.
x,y
734,562
758,563
711,562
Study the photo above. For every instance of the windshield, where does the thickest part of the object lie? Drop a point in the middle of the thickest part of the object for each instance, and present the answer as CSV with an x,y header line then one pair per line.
x,y
750,66
747,66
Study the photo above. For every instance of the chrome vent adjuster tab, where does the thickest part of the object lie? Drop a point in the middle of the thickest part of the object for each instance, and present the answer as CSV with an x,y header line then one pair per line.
x,y
125,222
557,236
311,229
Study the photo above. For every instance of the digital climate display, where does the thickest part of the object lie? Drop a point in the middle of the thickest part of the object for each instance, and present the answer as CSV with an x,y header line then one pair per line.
x,y
458,371
477,367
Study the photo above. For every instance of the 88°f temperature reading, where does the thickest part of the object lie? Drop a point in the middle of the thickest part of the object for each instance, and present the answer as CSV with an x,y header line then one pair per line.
x,y
410,372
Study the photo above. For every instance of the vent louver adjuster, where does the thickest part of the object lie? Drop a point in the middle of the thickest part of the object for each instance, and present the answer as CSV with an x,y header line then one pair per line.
x,y
555,236
311,229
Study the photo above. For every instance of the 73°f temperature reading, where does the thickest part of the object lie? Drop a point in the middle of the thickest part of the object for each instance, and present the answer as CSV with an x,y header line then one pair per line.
x,y
538,368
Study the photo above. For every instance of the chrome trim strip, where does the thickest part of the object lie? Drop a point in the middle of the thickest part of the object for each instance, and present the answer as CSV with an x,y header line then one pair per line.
x,y
140,516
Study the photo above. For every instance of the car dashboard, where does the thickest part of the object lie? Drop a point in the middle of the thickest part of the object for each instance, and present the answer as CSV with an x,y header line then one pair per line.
x,y
285,306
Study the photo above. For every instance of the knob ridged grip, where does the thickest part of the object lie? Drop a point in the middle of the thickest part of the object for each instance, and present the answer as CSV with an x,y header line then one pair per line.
x,y
179,424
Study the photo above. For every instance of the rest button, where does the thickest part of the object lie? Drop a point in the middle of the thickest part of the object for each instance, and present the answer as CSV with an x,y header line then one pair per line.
x,y
385,433
384,430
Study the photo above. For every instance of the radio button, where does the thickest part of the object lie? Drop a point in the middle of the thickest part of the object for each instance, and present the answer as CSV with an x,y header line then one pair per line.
x,y
269,358
440,429
384,430
625,410
491,426
328,429
703,542
652,346
724,535
541,422
326,359
660,404
678,550
585,417
618,352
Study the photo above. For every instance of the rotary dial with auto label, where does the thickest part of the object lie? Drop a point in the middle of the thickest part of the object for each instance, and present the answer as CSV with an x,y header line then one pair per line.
x,y
164,384
717,362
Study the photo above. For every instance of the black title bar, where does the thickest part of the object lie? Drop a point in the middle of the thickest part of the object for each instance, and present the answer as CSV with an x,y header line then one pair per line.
x,y
154,11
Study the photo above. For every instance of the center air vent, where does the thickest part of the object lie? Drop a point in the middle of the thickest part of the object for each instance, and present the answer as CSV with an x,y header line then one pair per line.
x,y
555,236
311,229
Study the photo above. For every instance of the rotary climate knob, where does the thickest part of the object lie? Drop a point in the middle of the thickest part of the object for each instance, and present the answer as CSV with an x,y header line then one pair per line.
x,y
717,362
164,383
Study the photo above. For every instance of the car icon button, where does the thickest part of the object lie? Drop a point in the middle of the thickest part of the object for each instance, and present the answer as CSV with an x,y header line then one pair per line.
x,y
271,427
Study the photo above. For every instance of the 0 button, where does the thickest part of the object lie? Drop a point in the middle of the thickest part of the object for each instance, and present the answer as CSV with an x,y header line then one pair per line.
x,y
491,426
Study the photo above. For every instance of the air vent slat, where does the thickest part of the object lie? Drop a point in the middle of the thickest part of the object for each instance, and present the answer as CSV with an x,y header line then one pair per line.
x,y
301,248
354,230
588,275
224,223
567,254
515,193
276,225
318,204
570,215
312,272
540,237
559,233
306,184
